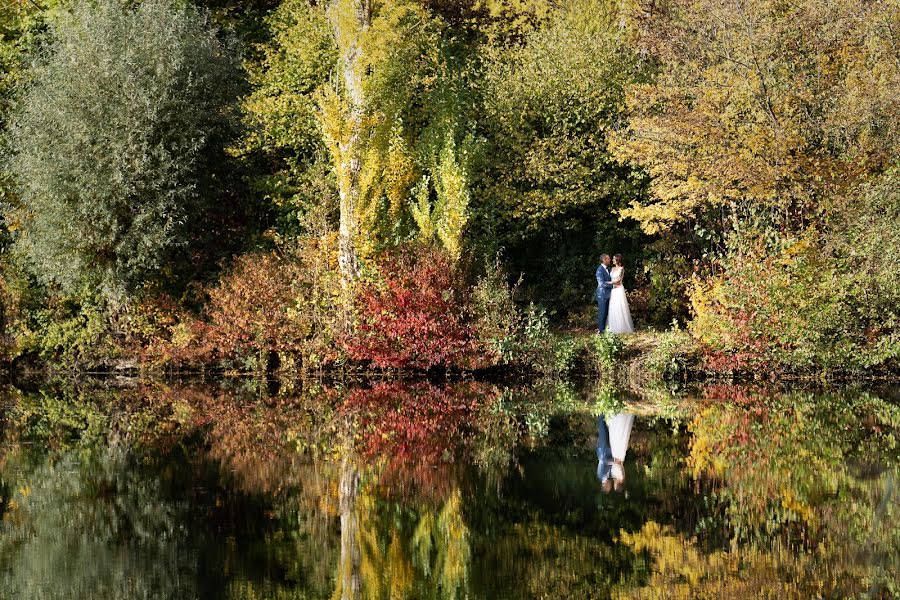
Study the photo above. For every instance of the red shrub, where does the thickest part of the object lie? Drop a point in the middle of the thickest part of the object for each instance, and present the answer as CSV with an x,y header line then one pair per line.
x,y
266,303
168,335
418,429
413,314
247,313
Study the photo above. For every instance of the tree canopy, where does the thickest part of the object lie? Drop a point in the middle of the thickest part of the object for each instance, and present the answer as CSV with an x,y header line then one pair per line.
x,y
111,142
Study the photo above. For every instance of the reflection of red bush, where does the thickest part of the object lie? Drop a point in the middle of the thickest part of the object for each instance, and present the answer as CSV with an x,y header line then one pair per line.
x,y
414,315
744,394
418,430
740,410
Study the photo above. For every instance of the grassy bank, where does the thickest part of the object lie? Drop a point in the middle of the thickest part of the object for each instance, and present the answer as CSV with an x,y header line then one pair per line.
x,y
634,362
649,357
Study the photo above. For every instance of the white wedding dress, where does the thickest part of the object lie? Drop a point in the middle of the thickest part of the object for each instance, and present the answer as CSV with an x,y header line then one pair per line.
x,y
619,319
619,436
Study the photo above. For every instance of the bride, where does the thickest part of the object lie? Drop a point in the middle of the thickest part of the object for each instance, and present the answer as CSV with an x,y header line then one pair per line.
x,y
619,319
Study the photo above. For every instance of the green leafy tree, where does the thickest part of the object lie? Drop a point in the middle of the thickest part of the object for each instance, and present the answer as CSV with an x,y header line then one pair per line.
x,y
111,149
21,24
390,127
283,140
393,62
548,183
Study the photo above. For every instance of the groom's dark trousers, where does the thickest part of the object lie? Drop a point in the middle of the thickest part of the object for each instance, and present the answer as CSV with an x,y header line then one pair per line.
x,y
604,290
602,312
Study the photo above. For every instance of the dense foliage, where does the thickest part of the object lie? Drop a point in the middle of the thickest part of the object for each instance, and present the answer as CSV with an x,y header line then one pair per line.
x,y
411,316
550,189
742,156
770,132
114,149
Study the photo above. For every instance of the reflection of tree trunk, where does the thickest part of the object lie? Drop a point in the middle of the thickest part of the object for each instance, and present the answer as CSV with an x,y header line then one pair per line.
x,y
350,581
349,19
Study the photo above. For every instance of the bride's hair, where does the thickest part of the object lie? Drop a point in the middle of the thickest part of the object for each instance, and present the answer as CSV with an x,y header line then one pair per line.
x,y
620,260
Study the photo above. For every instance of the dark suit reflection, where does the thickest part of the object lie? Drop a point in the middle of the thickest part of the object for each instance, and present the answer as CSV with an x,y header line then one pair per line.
x,y
604,450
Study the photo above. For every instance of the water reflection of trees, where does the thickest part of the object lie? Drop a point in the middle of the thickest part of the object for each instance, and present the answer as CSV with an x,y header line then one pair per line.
x,y
225,466
801,501
87,526
423,491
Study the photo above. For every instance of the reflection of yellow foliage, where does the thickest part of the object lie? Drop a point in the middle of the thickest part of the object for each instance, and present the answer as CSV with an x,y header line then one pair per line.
x,y
399,571
393,565
795,505
446,532
682,570
702,459
455,552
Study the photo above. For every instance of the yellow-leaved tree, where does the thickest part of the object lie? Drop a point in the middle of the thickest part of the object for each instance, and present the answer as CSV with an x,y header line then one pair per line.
x,y
760,104
371,79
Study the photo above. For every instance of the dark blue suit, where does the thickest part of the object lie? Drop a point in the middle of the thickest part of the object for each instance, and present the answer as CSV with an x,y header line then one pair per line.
x,y
604,450
604,290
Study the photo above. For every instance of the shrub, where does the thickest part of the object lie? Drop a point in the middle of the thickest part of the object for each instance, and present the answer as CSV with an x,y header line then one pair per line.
x,y
250,309
67,331
671,354
565,352
604,350
72,333
80,331
497,319
268,308
827,302
508,334
111,147
412,314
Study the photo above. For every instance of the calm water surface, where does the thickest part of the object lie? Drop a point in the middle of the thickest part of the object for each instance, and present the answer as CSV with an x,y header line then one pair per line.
x,y
411,490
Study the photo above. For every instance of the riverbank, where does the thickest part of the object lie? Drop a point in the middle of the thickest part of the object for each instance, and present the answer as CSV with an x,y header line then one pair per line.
x,y
637,361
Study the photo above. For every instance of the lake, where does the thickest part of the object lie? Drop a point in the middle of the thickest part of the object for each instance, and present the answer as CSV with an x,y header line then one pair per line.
x,y
248,490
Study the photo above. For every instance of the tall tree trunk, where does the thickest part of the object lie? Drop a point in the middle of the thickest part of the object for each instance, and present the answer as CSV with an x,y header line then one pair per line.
x,y
349,19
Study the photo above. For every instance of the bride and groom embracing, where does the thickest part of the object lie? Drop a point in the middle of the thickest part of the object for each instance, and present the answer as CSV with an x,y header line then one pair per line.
x,y
613,314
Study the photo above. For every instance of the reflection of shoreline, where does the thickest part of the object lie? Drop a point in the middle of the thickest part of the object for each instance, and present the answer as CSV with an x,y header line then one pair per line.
x,y
613,435
276,497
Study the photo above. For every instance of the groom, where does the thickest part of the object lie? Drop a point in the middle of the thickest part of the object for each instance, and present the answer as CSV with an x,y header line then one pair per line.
x,y
604,290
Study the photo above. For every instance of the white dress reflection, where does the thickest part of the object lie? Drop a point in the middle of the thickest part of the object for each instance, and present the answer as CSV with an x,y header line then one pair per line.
x,y
613,434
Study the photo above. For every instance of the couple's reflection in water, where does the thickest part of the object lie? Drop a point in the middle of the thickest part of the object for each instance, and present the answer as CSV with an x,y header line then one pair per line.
x,y
613,434
409,490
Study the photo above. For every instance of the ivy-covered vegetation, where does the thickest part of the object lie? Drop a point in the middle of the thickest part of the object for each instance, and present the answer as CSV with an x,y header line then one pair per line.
x,y
264,184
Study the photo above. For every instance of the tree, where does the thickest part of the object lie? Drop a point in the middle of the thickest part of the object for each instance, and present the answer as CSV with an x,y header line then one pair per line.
x,y
391,122
283,137
350,20
20,24
111,149
548,182
760,106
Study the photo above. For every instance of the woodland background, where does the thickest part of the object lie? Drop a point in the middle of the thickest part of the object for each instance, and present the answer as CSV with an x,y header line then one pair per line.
x,y
274,185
